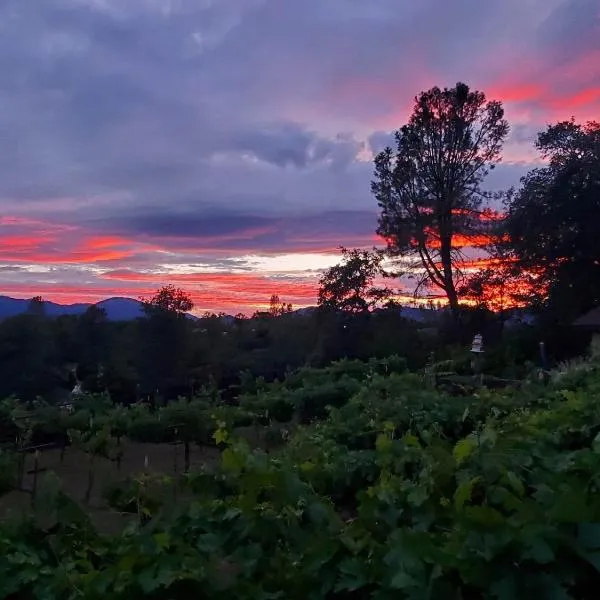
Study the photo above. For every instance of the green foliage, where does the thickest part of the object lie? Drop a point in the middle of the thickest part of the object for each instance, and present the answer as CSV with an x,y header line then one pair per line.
x,y
144,495
399,492
555,206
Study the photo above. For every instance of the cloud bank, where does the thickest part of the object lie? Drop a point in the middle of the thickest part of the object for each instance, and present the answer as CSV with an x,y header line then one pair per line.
x,y
196,140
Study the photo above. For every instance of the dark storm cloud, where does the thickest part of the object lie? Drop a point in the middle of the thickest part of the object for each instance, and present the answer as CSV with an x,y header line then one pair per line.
x,y
150,116
226,225
289,144
249,233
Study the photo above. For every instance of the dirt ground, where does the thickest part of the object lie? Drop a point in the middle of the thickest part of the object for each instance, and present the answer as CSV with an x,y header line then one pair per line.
x,y
73,474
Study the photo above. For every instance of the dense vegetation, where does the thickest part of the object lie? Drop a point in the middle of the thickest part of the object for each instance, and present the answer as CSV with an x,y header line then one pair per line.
x,y
392,490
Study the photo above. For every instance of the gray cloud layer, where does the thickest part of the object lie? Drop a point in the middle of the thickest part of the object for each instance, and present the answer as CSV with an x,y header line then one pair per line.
x,y
182,116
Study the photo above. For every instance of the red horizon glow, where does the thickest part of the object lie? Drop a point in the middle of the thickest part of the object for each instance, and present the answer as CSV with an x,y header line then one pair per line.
x,y
67,263
115,265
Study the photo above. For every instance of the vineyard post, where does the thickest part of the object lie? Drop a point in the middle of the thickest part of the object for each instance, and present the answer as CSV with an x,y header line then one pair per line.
x,y
90,482
36,457
477,351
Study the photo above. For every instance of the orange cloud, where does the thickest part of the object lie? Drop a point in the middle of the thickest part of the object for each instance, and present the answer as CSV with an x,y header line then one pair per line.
x,y
516,92
20,244
28,242
238,291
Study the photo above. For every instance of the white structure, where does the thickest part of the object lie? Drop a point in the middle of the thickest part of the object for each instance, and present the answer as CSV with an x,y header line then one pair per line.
x,y
477,346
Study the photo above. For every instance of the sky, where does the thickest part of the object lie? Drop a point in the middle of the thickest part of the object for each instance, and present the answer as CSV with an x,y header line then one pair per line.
x,y
225,146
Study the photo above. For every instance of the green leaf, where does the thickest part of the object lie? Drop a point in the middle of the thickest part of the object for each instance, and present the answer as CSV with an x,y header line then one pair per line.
x,y
318,512
515,483
485,515
353,576
307,466
403,580
418,496
231,513
147,581
384,443
220,435
463,492
209,543
594,559
411,440
505,589
163,540
231,460
18,558
552,588
463,449
588,535
541,552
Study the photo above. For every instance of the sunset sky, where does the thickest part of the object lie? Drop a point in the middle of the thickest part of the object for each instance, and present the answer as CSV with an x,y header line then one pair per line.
x,y
225,146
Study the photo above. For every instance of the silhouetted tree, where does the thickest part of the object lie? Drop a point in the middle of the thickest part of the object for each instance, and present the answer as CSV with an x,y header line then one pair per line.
x,y
350,285
28,360
277,308
36,306
168,299
165,332
429,188
553,220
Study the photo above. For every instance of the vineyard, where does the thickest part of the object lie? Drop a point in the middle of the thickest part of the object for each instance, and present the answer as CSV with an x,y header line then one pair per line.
x,y
359,480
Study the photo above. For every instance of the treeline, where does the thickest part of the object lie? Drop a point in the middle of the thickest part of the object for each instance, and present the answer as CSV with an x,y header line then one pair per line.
x,y
542,252
537,245
166,354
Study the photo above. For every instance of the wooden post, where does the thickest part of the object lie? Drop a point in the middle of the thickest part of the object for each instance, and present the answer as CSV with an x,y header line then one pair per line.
x,y
186,456
35,474
36,469
90,482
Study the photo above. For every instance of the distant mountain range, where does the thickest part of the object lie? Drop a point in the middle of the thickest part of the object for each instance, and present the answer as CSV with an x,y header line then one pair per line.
x,y
117,309
126,309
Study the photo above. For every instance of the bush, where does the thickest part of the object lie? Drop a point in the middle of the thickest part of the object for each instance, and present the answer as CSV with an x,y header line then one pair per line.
x,y
312,402
149,430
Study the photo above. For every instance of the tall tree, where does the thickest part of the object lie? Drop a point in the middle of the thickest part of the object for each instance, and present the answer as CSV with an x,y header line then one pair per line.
x,y
36,306
350,286
553,219
93,340
168,299
429,188
165,342
277,308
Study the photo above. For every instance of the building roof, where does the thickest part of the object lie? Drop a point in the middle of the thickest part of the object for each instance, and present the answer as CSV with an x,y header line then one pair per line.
x,y
589,319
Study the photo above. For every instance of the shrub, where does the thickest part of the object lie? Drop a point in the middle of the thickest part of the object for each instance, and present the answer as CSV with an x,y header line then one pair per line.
x,y
149,430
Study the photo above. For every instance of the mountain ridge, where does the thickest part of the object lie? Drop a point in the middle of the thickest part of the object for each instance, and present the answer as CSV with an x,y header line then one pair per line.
x,y
121,308
117,308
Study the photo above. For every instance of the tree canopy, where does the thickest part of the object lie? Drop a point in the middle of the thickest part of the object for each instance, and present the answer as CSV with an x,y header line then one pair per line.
x,y
350,286
429,188
170,300
552,221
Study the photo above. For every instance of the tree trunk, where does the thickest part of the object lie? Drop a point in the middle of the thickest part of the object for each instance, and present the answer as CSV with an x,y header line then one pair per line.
x,y
449,287
90,482
186,456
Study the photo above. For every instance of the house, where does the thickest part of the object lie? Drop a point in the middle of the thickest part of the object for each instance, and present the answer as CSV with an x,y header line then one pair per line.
x,y
589,321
